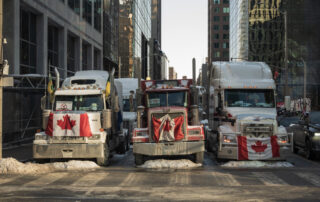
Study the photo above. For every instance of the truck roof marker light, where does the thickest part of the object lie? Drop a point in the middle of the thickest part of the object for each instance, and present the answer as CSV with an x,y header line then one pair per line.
x,y
245,86
101,129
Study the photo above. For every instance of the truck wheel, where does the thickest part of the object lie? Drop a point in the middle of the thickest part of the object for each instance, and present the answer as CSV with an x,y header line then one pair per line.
x,y
295,148
104,161
199,157
122,147
309,152
138,159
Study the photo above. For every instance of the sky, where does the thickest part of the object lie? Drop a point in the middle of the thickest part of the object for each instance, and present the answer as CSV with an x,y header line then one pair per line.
x,y
184,34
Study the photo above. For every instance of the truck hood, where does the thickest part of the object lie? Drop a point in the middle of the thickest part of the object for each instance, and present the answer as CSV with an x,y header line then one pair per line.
x,y
250,113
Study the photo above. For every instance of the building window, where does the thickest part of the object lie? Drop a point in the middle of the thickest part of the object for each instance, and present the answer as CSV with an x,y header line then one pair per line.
x,y
216,45
216,1
97,15
216,18
85,50
28,40
96,60
225,54
216,36
216,54
74,5
71,55
87,7
225,36
225,45
216,10
53,42
225,18
225,27
226,1
226,10
216,27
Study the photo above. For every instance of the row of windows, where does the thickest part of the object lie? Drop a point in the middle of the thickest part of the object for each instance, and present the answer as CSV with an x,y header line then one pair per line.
x,y
217,54
224,18
87,6
217,27
224,36
224,10
28,47
224,45
219,1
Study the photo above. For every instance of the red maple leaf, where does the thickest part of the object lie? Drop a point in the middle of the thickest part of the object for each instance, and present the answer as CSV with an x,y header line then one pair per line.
x,y
66,123
167,126
259,147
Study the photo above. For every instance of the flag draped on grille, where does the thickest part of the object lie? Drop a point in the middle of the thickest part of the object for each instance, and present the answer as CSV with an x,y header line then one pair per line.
x,y
257,148
167,129
63,124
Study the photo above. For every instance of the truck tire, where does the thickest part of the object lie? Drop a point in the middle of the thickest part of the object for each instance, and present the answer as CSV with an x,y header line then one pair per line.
x,y
199,157
104,161
122,148
138,159
295,148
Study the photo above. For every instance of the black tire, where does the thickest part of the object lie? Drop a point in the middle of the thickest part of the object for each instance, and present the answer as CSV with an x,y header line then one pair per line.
x,y
309,153
199,157
208,147
295,148
104,161
139,159
122,148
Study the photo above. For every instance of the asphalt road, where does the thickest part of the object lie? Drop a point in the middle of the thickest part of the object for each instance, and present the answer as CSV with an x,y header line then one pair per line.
x,y
122,181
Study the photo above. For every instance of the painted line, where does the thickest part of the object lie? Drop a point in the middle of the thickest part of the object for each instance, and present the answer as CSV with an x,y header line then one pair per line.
x,y
180,179
130,179
10,179
310,177
224,179
269,179
46,179
90,179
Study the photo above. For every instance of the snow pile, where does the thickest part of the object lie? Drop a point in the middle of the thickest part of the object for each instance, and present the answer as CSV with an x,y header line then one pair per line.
x,y
12,166
171,164
257,164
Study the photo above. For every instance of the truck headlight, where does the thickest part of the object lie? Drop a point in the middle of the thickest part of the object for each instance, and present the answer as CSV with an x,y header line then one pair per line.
x,y
316,134
229,139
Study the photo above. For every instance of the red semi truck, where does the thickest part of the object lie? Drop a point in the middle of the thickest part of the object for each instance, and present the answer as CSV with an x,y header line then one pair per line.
x,y
167,121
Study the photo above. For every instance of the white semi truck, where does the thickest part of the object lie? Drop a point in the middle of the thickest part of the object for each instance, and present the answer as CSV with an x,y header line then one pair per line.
x,y
84,121
242,113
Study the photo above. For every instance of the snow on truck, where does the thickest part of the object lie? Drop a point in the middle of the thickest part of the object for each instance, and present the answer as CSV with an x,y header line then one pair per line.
x,y
85,120
242,113
167,121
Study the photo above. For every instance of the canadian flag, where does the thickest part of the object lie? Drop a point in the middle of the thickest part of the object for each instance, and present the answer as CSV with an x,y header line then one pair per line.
x,y
167,129
257,148
63,124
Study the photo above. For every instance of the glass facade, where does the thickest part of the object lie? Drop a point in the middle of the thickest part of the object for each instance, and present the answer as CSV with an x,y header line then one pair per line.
x,y
257,31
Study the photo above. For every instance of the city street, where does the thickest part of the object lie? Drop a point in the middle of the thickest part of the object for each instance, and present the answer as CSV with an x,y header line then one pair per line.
x,y
121,181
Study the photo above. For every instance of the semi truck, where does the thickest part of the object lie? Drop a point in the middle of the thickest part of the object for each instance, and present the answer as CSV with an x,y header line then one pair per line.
x,y
167,121
242,113
84,120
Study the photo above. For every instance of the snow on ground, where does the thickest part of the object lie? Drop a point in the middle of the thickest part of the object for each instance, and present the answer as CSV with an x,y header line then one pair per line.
x,y
257,164
12,166
171,164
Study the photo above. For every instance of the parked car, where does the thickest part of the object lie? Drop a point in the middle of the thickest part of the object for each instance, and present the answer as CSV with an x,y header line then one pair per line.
x,y
306,133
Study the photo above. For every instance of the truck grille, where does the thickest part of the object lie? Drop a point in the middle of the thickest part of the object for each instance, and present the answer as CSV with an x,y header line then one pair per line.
x,y
257,130
172,116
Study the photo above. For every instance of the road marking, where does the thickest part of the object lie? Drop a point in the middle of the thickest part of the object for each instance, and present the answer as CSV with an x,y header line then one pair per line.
x,y
224,179
180,178
90,179
6,180
46,179
130,179
269,179
310,177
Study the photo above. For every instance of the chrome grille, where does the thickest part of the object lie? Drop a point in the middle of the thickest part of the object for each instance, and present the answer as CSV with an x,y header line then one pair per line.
x,y
257,130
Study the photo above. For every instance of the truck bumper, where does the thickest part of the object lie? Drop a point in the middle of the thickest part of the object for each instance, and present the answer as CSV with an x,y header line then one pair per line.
x,y
231,152
168,149
51,151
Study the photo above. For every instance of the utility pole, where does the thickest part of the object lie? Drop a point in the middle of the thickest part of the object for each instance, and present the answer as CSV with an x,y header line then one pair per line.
x,y
286,89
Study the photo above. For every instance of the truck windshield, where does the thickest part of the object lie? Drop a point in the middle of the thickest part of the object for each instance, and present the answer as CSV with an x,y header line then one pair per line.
x,y
79,103
156,99
249,98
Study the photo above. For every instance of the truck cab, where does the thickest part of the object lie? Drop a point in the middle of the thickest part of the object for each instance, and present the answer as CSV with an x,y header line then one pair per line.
x,y
168,121
242,113
84,120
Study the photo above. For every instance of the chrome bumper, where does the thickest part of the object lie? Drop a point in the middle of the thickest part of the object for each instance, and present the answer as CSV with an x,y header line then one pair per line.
x,y
169,148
